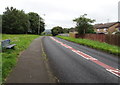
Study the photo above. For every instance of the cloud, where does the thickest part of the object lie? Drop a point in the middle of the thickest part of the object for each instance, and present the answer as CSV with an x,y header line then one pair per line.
x,y
62,12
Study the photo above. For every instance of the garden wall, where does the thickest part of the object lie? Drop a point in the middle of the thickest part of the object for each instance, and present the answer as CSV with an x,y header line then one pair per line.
x,y
110,39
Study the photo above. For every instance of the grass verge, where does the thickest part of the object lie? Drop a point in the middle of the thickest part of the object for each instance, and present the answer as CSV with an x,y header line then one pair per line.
x,y
9,56
94,44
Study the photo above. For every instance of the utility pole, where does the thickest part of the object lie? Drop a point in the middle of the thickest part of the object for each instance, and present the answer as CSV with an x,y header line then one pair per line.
x,y
39,24
119,11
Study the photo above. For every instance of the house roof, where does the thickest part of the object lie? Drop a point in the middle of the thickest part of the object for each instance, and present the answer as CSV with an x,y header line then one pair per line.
x,y
118,25
105,25
97,25
73,30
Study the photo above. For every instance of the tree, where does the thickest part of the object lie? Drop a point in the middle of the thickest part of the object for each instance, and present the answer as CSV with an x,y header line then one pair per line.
x,y
66,30
83,24
37,25
15,21
57,30
34,22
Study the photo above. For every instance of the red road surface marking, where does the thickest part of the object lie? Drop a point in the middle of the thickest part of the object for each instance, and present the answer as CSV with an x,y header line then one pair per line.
x,y
88,57
115,72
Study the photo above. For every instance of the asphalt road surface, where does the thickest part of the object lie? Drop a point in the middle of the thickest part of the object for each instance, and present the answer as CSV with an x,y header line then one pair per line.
x,y
74,63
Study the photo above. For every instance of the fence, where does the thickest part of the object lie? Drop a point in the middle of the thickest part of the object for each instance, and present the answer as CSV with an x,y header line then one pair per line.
x,y
110,39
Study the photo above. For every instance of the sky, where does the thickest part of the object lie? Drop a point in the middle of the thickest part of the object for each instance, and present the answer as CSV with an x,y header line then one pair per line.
x,y
62,12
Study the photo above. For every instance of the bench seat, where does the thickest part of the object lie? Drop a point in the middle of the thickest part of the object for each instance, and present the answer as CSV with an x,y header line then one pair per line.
x,y
10,46
6,44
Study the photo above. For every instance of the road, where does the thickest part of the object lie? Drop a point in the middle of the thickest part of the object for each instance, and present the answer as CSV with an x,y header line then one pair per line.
x,y
74,63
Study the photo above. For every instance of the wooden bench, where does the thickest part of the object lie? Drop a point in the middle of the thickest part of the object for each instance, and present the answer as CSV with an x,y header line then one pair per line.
x,y
6,44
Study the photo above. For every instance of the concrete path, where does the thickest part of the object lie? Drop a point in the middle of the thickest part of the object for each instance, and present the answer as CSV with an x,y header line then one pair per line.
x,y
31,66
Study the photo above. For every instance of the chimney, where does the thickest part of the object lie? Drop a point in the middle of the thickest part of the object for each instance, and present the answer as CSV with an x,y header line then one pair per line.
x,y
119,11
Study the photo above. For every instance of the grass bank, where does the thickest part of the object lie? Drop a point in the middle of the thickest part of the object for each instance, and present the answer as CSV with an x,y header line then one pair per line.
x,y
9,56
95,44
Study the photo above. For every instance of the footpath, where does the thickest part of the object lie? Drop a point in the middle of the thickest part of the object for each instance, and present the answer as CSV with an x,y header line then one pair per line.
x,y
32,66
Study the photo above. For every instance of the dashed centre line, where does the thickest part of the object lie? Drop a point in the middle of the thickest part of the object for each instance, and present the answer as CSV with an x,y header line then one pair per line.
x,y
88,57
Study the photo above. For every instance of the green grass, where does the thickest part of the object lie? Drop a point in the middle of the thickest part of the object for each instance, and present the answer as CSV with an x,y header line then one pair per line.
x,y
95,44
10,56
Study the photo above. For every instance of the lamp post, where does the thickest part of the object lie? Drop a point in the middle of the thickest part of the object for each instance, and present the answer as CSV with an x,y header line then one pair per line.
x,y
39,26
119,11
40,18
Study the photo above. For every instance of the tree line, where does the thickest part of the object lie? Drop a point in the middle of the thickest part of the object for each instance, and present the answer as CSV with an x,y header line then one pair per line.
x,y
58,30
83,25
0,23
16,21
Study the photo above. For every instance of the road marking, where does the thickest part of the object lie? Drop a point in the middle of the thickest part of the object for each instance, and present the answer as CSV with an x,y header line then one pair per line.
x,y
88,57
115,72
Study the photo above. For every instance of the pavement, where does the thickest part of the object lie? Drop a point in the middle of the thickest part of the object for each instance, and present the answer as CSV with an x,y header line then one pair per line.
x,y
74,63
32,66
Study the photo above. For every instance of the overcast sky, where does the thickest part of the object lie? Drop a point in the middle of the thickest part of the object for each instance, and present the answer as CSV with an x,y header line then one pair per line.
x,y
62,12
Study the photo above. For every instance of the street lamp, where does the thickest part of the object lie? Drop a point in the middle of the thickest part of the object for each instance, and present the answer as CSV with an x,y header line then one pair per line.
x,y
39,24
119,11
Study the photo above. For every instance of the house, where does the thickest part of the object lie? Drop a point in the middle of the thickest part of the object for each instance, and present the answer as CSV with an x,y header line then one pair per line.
x,y
73,32
107,28
118,27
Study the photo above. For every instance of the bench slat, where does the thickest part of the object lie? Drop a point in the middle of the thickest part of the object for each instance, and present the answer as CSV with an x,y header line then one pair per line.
x,y
10,46
6,44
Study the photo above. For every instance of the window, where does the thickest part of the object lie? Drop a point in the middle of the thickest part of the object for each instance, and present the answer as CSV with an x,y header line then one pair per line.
x,y
118,28
98,29
105,29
